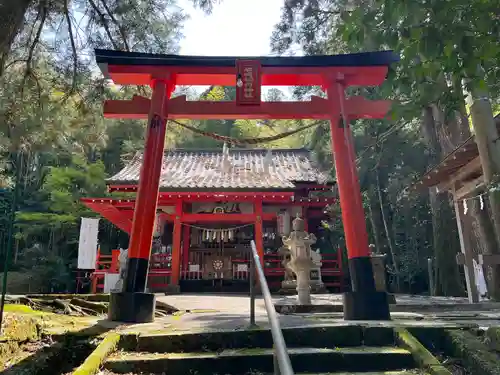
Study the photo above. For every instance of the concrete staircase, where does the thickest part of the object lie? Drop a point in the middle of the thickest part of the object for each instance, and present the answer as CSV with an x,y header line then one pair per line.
x,y
341,350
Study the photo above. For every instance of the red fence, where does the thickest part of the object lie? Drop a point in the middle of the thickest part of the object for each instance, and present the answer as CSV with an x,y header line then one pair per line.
x,y
158,276
160,270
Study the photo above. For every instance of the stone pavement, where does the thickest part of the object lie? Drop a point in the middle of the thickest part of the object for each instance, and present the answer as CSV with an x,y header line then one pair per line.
x,y
239,303
223,312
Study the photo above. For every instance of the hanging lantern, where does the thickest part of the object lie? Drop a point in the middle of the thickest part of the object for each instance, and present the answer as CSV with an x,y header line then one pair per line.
x,y
159,225
283,223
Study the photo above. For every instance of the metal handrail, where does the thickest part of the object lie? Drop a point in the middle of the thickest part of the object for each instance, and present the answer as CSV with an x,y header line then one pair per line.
x,y
282,360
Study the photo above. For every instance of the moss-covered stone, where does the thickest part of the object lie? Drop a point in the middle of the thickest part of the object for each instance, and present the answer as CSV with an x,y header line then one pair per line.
x,y
377,336
420,354
17,331
318,337
474,354
493,338
34,342
56,358
430,337
243,361
46,323
20,328
93,362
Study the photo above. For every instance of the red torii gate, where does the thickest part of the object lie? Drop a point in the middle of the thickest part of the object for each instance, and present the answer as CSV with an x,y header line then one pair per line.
x,y
163,72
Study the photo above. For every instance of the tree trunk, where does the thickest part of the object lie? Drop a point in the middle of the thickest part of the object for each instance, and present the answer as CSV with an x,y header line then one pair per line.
x,y
445,243
11,21
374,220
16,251
388,236
445,238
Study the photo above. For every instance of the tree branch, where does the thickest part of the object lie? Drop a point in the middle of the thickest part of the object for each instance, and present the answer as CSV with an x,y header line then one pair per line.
x,y
73,49
42,14
34,44
118,25
104,23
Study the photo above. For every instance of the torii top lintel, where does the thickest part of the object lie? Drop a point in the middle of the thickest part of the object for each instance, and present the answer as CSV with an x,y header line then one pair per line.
x,y
132,68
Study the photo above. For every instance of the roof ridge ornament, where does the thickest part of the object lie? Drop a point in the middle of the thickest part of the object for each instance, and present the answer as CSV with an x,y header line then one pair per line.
x,y
268,160
226,163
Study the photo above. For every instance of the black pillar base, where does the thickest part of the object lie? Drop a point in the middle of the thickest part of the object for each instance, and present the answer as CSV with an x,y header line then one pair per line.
x,y
364,302
366,306
132,307
137,275
361,274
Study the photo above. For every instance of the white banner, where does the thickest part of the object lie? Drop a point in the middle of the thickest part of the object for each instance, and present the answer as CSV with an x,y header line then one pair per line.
x,y
87,245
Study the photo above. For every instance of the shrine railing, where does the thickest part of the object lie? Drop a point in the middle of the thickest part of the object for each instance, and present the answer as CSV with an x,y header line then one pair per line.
x,y
160,271
159,274
282,363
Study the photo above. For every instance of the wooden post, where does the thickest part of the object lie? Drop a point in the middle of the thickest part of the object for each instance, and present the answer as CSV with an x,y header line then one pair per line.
x,y
176,245
486,137
186,241
94,283
304,217
465,246
259,231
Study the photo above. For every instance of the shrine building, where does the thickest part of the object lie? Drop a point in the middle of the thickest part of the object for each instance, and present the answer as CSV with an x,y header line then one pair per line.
x,y
211,204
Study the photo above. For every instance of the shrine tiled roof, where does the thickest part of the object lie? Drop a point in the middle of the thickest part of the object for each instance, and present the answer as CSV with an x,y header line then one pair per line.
x,y
244,169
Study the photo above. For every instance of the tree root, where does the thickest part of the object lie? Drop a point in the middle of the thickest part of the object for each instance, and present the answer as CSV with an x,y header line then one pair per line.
x,y
78,306
74,307
100,307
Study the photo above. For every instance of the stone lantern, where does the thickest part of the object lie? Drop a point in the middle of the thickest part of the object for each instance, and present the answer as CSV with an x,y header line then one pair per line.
x,y
299,244
122,270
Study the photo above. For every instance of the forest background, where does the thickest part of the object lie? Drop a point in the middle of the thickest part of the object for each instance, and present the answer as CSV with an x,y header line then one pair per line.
x,y
53,135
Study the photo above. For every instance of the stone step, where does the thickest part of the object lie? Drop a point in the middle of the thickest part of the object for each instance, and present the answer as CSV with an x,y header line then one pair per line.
x,y
402,372
243,361
347,335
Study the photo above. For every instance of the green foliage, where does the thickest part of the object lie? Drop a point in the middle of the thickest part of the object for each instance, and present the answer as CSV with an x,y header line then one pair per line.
x,y
439,49
51,111
52,270
65,185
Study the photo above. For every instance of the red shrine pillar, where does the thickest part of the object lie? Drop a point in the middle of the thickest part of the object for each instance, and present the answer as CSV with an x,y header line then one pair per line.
x,y
133,304
363,302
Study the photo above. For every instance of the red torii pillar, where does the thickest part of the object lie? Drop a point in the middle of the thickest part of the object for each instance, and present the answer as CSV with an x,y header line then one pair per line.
x,y
363,302
133,304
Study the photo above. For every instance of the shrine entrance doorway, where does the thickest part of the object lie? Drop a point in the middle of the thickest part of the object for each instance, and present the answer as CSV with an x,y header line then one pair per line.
x,y
217,258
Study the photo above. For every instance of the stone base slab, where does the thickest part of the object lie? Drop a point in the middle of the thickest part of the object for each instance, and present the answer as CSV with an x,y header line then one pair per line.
x,y
132,307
